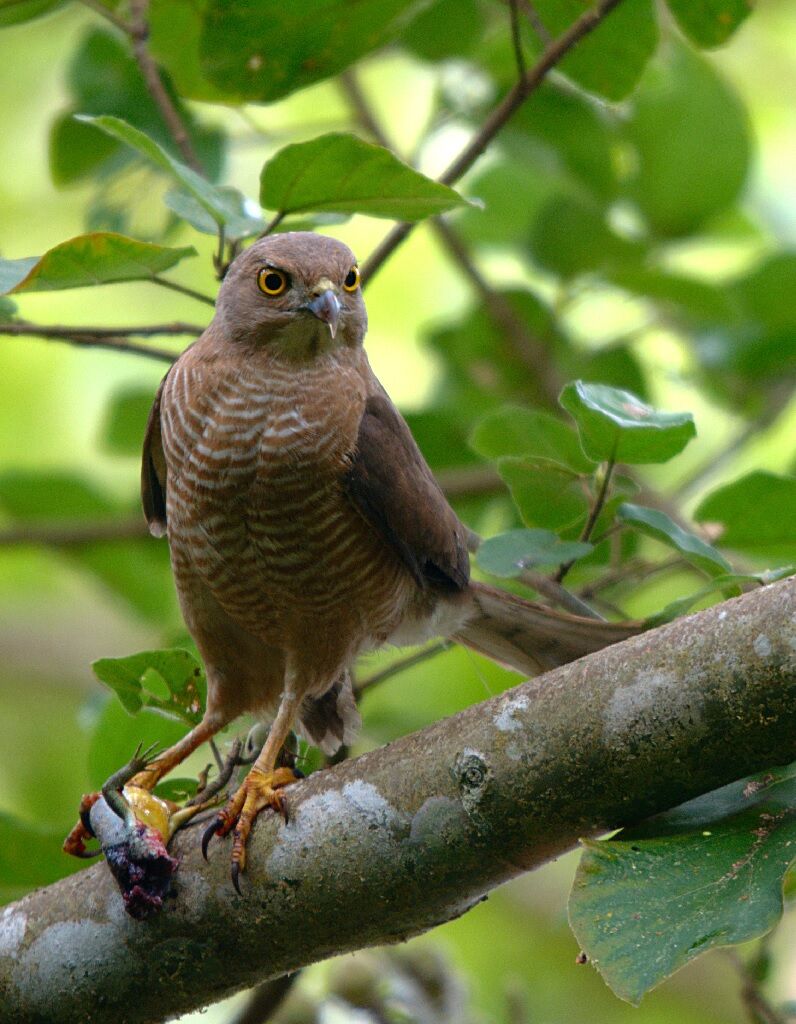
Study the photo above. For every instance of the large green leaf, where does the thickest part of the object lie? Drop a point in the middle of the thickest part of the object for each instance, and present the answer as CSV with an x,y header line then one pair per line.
x,y
263,52
755,514
691,138
711,874
12,12
446,28
709,23
546,493
243,217
213,200
509,553
516,430
340,173
571,237
116,734
125,421
615,424
660,526
98,258
610,60
171,681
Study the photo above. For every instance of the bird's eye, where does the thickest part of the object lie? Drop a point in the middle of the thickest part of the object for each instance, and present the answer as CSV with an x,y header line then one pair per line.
x,y
351,282
272,282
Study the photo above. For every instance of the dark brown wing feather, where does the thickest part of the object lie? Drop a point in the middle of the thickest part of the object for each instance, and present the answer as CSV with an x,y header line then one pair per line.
x,y
391,484
153,471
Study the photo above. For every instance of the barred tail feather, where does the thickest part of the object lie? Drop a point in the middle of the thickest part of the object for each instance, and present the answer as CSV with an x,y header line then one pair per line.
x,y
531,638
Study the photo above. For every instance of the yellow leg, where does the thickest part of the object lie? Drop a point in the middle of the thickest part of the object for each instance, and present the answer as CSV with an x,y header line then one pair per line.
x,y
169,759
260,789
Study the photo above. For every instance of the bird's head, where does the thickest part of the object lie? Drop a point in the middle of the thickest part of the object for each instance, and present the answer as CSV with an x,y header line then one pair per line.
x,y
297,291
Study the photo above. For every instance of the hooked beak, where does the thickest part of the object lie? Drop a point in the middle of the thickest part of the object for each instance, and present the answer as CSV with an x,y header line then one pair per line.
x,y
326,307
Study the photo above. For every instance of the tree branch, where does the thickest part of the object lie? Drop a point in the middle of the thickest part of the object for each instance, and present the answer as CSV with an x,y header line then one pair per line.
x,y
64,534
408,836
116,338
139,33
513,100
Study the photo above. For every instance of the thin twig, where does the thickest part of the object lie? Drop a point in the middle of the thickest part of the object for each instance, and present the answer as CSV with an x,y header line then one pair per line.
x,y
630,570
107,13
88,340
184,290
536,22
556,594
516,38
273,223
351,89
514,99
467,481
758,1008
74,534
59,331
594,515
402,665
139,34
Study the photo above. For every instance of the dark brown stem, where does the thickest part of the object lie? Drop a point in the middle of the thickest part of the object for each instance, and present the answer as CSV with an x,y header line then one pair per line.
x,y
265,1000
466,481
594,514
139,33
556,594
516,38
758,1008
59,331
514,99
73,534
630,570
352,91
184,290
273,223
536,22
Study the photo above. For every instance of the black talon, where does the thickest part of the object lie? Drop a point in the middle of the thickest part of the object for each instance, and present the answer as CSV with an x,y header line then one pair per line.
x,y
85,821
235,875
208,834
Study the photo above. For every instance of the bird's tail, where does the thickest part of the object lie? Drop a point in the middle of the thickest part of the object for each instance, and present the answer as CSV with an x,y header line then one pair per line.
x,y
530,638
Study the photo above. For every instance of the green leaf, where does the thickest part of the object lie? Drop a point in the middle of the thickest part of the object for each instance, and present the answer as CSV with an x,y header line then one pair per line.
x,y
657,524
684,297
243,220
610,60
172,681
212,199
76,150
509,553
12,12
756,514
546,493
27,495
711,872
98,258
340,173
516,430
571,238
447,28
125,421
691,137
175,30
709,23
263,53
615,424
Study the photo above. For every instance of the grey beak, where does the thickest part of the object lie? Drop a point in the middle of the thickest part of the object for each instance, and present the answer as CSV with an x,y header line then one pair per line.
x,y
326,307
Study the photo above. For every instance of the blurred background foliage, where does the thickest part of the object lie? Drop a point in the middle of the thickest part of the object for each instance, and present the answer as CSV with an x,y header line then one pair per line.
x,y
635,227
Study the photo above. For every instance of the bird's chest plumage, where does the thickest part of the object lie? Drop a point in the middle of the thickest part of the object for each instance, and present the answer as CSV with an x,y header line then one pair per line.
x,y
257,505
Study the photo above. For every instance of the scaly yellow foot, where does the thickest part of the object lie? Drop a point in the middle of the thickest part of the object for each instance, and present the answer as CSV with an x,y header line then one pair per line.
x,y
258,790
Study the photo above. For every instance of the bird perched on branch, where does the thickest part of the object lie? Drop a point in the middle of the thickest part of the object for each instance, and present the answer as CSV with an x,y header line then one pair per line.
x,y
305,526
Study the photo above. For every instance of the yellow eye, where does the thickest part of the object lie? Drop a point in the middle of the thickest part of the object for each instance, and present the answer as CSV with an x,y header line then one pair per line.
x,y
351,282
272,282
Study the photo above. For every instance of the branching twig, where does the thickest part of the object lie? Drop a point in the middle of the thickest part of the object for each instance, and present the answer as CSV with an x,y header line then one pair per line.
x,y
535,21
74,534
401,665
516,38
594,513
139,34
585,24
115,338
184,290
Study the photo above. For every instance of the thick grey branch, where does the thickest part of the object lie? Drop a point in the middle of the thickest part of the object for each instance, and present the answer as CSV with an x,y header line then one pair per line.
x,y
406,837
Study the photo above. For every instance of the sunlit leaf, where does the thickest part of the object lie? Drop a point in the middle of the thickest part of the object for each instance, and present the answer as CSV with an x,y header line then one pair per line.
x,y
341,173
711,872
615,424
657,524
98,258
755,514
709,23
517,430
213,200
546,493
243,218
509,553
171,681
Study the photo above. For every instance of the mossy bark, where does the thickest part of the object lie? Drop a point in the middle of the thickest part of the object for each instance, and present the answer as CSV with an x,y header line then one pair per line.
x,y
408,836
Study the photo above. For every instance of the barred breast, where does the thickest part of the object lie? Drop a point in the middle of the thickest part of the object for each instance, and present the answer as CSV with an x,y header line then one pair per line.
x,y
256,504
